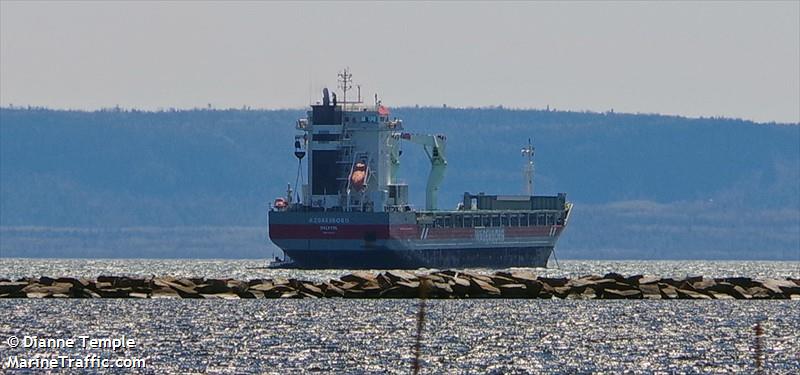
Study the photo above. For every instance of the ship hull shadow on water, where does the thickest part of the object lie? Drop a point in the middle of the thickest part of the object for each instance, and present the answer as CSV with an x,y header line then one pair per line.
x,y
381,258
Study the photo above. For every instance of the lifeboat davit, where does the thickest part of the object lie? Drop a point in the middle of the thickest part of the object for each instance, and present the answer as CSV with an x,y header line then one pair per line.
x,y
358,177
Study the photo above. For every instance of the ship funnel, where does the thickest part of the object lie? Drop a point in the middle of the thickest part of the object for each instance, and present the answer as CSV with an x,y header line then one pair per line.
x,y
326,100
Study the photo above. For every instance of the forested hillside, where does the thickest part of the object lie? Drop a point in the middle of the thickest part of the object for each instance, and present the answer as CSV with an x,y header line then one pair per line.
x,y
646,186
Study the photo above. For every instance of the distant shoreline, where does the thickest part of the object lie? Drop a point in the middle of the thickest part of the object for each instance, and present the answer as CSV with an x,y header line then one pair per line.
x,y
644,186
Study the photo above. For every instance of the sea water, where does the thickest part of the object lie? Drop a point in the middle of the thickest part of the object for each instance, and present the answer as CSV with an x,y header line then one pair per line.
x,y
377,336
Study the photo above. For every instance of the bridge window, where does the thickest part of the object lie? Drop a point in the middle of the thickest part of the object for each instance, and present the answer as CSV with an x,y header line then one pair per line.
x,y
324,137
514,220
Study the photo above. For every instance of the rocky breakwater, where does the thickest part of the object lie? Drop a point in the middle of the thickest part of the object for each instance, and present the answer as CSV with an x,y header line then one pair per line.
x,y
404,284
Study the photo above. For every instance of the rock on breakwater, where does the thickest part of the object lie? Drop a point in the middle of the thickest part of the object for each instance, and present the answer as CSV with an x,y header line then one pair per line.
x,y
404,284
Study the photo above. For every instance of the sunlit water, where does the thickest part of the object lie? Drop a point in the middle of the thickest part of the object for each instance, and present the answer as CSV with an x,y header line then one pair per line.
x,y
376,336
13,268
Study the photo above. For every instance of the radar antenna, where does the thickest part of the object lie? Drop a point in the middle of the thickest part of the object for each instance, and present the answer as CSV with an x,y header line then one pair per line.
x,y
527,152
345,83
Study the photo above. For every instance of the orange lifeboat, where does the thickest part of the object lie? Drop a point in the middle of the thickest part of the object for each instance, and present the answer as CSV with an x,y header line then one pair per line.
x,y
281,203
358,177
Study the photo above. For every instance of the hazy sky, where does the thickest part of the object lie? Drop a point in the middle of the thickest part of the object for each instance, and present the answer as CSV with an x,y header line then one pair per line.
x,y
735,59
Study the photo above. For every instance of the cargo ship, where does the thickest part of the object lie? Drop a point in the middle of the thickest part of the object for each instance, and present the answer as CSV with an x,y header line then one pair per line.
x,y
349,210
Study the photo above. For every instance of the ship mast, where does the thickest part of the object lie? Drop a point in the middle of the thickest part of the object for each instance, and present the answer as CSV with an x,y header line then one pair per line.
x,y
345,83
527,152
